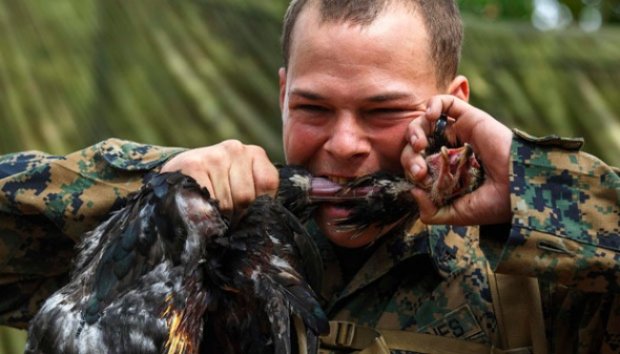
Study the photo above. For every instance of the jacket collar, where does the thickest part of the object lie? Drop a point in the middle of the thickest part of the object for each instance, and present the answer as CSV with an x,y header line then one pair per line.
x,y
447,246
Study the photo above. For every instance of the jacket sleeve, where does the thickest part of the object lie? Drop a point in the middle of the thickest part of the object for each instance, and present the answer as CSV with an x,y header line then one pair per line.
x,y
566,216
48,202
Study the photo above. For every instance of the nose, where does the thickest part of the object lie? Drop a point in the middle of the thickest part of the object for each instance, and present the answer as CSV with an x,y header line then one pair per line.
x,y
347,139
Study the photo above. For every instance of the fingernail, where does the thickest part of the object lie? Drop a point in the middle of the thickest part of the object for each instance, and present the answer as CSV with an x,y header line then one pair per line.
x,y
413,140
415,169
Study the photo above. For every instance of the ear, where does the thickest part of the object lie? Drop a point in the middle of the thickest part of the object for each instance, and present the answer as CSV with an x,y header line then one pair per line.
x,y
459,87
282,79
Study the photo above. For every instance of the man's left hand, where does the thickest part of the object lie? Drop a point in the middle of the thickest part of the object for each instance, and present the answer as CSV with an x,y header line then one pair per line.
x,y
491,141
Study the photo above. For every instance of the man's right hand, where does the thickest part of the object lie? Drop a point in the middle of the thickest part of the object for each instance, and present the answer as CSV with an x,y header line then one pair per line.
x,y
234,173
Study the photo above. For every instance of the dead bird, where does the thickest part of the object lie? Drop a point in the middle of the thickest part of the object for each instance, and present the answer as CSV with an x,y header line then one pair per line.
x,y
169,274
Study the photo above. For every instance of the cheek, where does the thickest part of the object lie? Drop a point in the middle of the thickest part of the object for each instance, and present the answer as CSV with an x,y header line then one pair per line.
x,y
389,143
301,142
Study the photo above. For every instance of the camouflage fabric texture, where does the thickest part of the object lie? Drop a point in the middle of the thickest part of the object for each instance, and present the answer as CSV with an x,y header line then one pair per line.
x,y
48,202
428,279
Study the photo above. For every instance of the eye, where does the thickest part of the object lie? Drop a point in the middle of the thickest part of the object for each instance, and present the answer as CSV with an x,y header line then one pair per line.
x,y
311,108
388,112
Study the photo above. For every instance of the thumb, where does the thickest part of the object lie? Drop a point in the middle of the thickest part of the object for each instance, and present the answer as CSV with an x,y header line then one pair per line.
x,y
450,214
428,210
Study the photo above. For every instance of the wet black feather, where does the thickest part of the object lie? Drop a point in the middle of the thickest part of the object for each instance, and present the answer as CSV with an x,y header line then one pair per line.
x,y
167,273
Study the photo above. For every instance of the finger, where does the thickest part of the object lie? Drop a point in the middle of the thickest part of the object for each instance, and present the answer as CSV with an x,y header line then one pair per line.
x,y
420,129
466,116
489,204
266,177
241,184
414,165
431,214
417,131
187,164
450,105
438,105
205,182
427,209
469,209
219,177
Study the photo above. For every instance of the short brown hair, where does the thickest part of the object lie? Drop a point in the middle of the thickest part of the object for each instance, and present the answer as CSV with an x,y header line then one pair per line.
x,y
442,19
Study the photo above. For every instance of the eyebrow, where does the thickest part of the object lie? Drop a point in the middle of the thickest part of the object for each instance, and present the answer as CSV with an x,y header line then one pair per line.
x,y
307,94
384,97
388,96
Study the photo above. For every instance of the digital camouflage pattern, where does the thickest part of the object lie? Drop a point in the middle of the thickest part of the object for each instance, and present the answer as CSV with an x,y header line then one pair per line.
x,y
565,231
429,279
47,203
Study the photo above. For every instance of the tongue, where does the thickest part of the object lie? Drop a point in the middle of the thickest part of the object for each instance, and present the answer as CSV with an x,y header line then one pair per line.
x,y
323,189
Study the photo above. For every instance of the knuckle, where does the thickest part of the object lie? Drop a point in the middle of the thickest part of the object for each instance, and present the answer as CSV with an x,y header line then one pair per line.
x,y
406,163
232,145
256,150
218,162
406,154
267,185
416,123
192,159
185,161
243,199
268,181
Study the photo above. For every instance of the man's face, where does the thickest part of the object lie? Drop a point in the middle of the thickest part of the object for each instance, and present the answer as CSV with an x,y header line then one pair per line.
x,y
348,96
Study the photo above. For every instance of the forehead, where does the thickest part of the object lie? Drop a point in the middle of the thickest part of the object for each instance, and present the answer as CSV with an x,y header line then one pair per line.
x,y
359,11
396,39
395,21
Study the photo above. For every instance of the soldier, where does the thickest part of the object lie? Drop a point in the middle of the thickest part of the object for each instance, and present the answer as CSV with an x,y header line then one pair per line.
x,y
533,265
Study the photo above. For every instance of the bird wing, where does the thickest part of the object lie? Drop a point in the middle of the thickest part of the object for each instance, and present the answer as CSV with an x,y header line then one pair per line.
x,y
131,248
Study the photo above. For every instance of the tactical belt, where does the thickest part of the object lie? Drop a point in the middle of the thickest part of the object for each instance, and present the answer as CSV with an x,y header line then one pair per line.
x,y
366,340
516,300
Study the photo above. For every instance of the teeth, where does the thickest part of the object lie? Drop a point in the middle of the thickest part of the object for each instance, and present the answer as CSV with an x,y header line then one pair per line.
x,y
339,180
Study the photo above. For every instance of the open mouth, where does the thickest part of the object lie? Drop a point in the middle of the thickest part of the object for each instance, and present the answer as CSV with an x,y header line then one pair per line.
x,y
339,180
337,190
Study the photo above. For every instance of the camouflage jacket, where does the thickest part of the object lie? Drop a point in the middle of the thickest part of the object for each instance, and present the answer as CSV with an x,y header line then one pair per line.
x,y
429,279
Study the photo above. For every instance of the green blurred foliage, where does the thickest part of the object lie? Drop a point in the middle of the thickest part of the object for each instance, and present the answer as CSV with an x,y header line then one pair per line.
x,y
559,82
497,9
522,9
11,340
610,9
195,72
75,72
